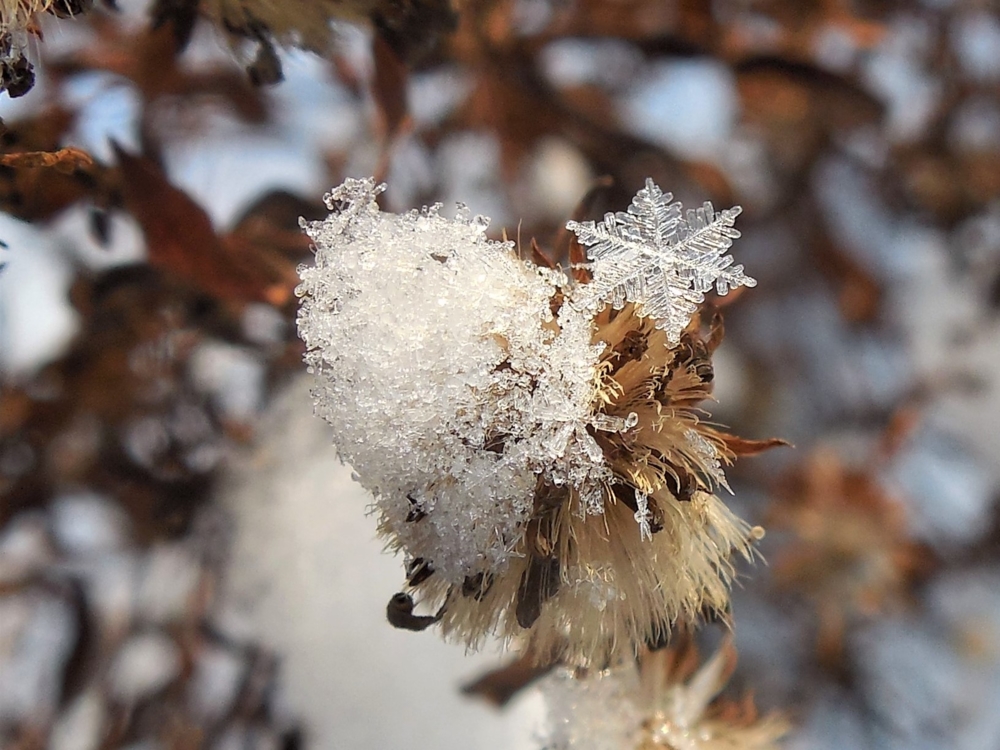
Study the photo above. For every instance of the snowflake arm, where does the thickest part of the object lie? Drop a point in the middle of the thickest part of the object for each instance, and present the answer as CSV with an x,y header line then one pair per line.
x,y
660,258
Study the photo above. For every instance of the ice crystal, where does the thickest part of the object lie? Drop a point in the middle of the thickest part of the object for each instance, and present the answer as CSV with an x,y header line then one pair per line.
x,y
660,258
707,456
494,408
642,515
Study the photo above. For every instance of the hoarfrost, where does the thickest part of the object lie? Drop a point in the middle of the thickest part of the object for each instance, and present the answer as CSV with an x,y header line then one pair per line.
x,y
629,707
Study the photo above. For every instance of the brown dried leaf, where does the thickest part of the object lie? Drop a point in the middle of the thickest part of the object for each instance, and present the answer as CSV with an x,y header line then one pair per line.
x,y
180,14
805,91
413,28
389,90
743,447
716,331
626,19
389,87
798,108
505,100
500,685
36,178
149,60
851,554
538,256
65,160
901,427
181,239
860,292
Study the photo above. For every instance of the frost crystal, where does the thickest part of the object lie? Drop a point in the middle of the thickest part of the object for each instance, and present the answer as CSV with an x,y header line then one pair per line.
x,y
661,259
643,516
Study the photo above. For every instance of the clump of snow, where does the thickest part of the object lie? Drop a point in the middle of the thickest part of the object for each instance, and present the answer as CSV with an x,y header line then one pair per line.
x,y
433,345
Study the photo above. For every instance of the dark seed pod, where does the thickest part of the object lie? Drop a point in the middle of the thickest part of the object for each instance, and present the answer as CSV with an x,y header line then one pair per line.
x,y
265,70
632,347
100,226
418,571
413,28
17,77
477,586
416,512
625,494
399,613
683,486
539,583
183,14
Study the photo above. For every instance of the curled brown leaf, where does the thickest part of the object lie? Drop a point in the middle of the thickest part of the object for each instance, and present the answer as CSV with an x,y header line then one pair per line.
x,y
65,160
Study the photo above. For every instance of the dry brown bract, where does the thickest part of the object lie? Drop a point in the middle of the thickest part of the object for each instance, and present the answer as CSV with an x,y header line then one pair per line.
x,y
683,708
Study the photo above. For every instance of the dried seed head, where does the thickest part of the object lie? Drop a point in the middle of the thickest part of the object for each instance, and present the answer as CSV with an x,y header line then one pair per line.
x,y
669,701
411,29
546,463
17,15
850,553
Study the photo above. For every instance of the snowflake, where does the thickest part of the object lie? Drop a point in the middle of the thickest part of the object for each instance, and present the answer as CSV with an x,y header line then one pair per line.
x,y
662,259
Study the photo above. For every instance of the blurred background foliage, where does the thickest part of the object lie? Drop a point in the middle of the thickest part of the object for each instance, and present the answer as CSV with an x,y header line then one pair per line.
x,y
152,181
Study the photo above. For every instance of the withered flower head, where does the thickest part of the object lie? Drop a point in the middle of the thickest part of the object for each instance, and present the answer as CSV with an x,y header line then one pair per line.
x,y
851,554
18,16
534,445
410,28
668,701
18,21
300,23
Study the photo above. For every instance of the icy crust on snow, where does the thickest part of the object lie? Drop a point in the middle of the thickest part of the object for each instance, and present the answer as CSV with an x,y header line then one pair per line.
x,y
449,383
